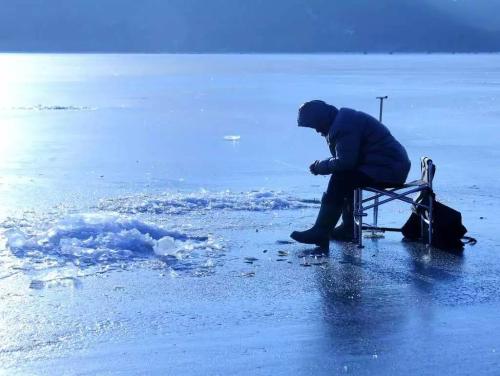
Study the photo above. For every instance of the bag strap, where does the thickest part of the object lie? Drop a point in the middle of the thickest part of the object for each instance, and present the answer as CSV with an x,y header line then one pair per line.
x,y
424,197
469,240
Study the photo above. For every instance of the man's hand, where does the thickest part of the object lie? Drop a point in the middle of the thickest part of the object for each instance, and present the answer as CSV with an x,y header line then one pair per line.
x,y
320,167
312,167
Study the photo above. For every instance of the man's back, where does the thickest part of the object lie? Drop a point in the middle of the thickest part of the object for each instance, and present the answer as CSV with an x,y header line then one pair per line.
x,y
362,143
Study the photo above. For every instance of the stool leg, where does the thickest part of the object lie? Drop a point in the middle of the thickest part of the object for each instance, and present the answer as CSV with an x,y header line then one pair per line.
x,y
375,213
360,218
430,220
355,214
421,225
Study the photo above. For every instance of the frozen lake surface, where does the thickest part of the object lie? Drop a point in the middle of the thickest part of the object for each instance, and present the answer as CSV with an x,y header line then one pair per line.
x,y
146,200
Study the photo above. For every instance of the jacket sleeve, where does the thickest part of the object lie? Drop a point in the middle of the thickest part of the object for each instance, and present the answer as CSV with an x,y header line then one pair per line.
x,y
347,149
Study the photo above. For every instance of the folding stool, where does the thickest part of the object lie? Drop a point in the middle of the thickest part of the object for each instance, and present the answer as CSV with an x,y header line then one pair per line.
x,y
385,193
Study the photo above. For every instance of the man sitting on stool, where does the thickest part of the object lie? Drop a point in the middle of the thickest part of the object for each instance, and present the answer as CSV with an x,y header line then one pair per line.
x,y
364,154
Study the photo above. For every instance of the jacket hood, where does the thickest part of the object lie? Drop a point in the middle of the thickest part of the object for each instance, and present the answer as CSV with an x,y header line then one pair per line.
x,y
318,115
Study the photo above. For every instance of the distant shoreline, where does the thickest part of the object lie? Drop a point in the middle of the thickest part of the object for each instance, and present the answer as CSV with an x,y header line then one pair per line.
x,y
12,52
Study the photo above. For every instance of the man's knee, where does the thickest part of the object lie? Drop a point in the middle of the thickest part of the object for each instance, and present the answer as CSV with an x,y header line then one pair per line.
x,y
341,179
339,186
349,179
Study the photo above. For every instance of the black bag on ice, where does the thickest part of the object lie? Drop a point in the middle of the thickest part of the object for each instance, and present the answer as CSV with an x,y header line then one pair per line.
x,y
448,232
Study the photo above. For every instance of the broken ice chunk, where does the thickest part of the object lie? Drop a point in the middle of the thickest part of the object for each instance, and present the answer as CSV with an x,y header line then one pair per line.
x,y
232,138
165,246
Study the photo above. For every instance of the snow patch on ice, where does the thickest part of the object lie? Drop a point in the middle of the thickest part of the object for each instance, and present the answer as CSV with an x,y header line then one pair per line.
x,y
182,203
118,232
40,107
100,238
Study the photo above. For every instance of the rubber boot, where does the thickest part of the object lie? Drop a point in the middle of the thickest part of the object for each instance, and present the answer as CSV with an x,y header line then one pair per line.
x,y
328,215
345,231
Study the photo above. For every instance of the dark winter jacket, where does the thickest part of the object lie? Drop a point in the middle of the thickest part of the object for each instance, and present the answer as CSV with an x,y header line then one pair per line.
x,y
360,142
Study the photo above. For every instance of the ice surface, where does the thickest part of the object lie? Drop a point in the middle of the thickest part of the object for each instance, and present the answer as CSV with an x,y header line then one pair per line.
x,y
158,127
